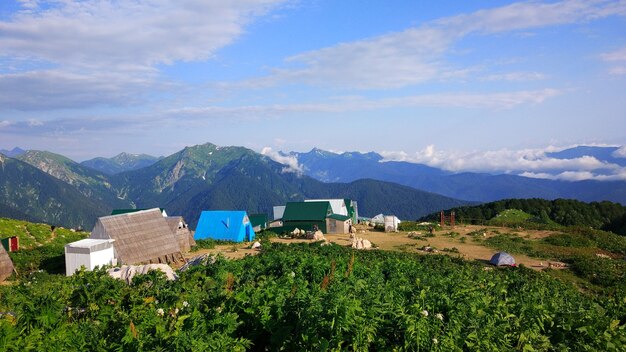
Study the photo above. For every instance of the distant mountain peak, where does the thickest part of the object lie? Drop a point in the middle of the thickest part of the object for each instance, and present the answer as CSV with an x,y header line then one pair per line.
x,y
17,151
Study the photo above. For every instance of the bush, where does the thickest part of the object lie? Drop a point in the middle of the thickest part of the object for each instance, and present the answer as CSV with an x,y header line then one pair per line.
x,y
208,243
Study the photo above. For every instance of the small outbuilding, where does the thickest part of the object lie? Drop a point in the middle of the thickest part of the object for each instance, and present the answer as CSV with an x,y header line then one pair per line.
x,y
389,222
502,259
183,235
225,225
259,222
88,253
6,265
338,224
140,237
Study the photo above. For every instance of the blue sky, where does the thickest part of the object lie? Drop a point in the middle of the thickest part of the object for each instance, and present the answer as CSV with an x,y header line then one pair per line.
x,y
442,83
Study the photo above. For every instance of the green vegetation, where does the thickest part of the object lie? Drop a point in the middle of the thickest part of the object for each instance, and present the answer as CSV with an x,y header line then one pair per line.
x,y
208,243
311,297
543,214
40,248
594,256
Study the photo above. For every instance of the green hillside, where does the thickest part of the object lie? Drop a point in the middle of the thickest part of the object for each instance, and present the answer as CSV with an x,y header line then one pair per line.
x,y
41,247
90,183
31,194
560,212
120,163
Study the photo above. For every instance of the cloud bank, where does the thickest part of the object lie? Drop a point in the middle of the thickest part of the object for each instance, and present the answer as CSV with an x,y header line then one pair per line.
x,y
290,162
534,163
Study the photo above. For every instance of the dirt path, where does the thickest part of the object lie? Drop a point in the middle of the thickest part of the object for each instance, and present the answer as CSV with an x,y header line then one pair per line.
x,y
400,241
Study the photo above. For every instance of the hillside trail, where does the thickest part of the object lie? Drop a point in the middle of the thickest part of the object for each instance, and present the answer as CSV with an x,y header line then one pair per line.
x,y
400,242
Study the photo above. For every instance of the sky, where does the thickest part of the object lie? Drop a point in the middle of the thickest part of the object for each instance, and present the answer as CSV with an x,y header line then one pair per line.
x,y
441,83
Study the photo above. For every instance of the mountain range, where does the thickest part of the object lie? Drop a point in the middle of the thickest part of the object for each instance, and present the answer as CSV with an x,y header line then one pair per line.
x,y
47,187
482,187
120,163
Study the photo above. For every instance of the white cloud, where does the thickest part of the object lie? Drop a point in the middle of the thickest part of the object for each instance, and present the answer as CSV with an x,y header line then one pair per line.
x,y
620,153
5,123
54,89
466,100
99,52
618,55
528,162
127,34
618,70
516,76
290,162
417,55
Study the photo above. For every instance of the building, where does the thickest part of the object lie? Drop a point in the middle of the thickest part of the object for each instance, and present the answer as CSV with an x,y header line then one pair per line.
x,y
389,222
183,235
306,216
337,224
225,225
126,211
259,222
278,212
6,265
140,237
345,207
88,253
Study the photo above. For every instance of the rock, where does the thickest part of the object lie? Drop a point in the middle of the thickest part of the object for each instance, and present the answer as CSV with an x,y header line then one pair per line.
x,y
256,245
202,259
318,236
360,243
127,272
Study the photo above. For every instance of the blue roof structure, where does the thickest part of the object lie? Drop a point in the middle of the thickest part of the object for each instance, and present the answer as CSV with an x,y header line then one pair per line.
x,y
225,225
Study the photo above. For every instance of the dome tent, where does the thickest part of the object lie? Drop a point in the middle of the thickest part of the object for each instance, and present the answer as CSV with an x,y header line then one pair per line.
x,y
502,258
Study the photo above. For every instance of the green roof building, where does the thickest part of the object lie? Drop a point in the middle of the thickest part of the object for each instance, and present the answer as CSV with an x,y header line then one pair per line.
x,y
314,214
258,221
306,216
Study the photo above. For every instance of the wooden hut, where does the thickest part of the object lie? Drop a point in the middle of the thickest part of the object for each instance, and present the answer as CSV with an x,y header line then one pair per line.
x,y
6,265
183,235
140,237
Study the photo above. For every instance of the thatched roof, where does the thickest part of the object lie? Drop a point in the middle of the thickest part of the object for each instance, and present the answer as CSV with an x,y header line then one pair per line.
x,y
140,237
6,265
181,229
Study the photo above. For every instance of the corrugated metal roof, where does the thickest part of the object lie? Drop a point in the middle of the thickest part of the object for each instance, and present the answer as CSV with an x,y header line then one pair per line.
x,y
307,211
339,217
258,220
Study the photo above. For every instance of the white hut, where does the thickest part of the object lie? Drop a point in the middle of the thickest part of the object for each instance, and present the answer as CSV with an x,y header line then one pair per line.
x,y
89,253
391,223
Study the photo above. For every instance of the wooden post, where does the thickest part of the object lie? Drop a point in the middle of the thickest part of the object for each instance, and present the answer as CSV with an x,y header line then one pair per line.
x,y
442,219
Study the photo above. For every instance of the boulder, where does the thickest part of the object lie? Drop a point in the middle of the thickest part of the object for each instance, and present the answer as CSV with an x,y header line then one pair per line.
x,y
318,236
127,272
360,243
256,245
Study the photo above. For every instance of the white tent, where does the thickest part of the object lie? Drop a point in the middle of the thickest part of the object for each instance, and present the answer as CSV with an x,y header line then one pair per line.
x,y
88,253
389,221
